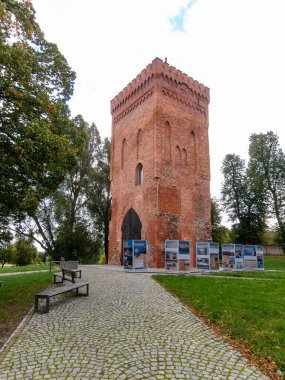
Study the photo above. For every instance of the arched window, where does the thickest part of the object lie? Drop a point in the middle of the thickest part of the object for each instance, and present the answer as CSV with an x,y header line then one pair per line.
x,y
139,174
184,156
177,155
167,132
193,149
139,143
165,142
123,153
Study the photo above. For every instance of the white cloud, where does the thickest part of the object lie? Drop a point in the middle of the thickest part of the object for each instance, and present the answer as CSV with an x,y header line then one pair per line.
x,y
178,21
233,47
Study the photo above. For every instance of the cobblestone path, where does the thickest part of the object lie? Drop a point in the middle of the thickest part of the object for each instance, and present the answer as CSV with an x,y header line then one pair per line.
x,y
128,328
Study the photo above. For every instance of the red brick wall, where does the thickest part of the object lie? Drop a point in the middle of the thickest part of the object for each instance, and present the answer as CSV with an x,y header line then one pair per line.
x,y
161,121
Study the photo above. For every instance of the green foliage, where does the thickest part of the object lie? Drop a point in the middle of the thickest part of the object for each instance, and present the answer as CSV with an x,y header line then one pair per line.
x,y
216,216
270,237
100,204
220,234
71,221
244,201
36,140
24,253
48,162
255,193
76,244
6,255
102,259
267,163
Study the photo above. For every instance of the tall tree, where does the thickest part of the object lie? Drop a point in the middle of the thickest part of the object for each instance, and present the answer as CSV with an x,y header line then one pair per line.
x,y
267,163
243,200
36,136
75,193
220,233
63,221
101,201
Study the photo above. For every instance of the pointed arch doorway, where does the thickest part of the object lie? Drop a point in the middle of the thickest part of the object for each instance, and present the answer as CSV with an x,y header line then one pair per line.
x,y
131,228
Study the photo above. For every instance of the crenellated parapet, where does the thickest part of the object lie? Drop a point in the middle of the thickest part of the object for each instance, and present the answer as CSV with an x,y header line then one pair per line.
x,y
173,83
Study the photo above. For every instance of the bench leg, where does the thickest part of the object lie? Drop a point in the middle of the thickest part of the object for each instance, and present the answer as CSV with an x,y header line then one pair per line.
x,y
47,304
36,303
87,290
57,282
46,298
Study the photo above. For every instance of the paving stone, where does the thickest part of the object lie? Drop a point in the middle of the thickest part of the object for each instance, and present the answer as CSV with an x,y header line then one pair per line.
x,y
128,328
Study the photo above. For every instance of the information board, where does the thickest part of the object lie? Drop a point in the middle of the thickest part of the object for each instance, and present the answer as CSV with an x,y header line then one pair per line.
x,y
134,255
259,257
207,256
177,256
250,257
184,256
128,254
203,256
239,256
214,256
232,256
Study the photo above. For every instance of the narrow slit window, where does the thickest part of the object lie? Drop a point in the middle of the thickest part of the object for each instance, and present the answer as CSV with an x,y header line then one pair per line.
x,y
139,174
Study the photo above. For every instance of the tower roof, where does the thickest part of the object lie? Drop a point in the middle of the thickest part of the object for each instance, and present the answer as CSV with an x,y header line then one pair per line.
x,y
159,69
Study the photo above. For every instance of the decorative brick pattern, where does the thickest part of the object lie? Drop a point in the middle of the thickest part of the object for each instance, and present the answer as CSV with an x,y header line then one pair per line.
x,y
160,120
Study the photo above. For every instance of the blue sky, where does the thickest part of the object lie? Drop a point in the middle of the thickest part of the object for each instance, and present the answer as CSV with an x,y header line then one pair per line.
x,y
234,47
178,21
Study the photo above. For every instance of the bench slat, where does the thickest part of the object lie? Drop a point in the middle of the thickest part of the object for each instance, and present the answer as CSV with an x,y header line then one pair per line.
x,y
46,294
61,289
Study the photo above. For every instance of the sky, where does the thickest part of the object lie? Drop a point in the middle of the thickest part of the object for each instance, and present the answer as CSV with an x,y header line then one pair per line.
x,y
234,47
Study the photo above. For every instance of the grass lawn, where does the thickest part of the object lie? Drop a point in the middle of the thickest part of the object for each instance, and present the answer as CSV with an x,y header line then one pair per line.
x,y
17,297
250,312
251,274
274,262
26,268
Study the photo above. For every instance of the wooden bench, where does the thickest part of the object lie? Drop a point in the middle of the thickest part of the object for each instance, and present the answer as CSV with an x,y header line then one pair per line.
x,y
67,274
47,294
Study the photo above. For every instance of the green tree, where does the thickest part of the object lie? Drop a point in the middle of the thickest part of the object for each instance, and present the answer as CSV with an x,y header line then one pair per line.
x,y
37,139
24,252
244,201
267,163
270,237
100,203
6,254
220,233
63,221
74,194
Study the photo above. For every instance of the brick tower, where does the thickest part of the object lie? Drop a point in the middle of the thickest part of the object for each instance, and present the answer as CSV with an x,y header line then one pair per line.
x,y
160,168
